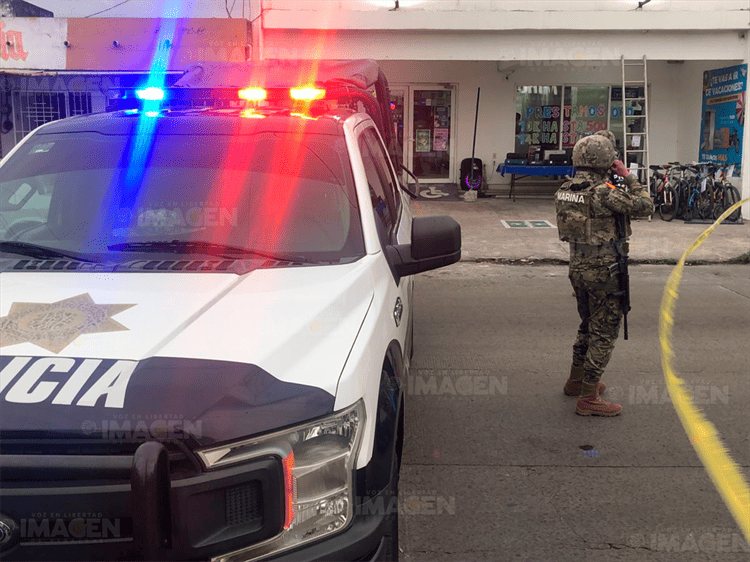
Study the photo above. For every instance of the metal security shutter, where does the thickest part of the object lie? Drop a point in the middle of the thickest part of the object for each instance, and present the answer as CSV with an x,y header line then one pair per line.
x,y
32,109
79,103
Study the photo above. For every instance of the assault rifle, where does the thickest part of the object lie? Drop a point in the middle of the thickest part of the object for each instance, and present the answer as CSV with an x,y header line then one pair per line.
x,y
623,277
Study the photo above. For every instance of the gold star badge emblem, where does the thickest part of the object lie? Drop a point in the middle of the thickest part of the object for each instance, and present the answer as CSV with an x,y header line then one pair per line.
x,y
54,326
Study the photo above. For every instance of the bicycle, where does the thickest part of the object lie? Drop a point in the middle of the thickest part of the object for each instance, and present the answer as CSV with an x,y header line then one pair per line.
x,y
681,177
664,193
725,194
705,197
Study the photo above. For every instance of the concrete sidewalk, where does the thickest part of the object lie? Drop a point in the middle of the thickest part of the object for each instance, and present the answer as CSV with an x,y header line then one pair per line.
x,y
484,235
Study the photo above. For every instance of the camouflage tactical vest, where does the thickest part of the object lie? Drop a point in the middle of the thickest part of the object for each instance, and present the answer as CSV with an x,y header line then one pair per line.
x,y
577,219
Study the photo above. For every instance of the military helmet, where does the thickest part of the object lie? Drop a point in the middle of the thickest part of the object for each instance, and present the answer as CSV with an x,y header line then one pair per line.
x,y
594,151
608,134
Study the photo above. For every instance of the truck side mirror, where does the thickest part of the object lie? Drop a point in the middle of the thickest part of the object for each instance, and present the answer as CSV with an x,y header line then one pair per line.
x,y
435,243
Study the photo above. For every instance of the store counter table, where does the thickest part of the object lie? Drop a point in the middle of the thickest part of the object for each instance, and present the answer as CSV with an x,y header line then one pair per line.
x,y
518,171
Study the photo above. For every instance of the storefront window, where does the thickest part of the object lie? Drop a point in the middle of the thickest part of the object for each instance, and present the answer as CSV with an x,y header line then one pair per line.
x,y
585,112
537,118
553,117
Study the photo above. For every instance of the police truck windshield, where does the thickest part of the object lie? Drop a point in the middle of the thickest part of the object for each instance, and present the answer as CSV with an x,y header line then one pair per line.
x,y
87,192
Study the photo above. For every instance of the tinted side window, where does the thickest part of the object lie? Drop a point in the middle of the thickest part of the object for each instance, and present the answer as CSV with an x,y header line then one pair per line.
x,y
382,203
383,167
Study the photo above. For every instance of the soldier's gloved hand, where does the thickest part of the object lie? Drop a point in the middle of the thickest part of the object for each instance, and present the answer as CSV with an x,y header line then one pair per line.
x,y
619,168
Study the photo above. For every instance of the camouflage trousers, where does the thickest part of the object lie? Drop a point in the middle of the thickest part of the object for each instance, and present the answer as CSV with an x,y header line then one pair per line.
x,y
601,313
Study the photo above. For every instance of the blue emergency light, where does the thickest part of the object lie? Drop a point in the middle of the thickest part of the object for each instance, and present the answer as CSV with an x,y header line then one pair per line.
x,y
150,94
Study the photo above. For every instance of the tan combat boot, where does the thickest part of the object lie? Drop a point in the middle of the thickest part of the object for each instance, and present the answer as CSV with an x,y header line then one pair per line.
x,y
589,403
573,384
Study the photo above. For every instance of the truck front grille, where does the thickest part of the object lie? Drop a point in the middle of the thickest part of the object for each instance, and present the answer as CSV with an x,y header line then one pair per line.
x,y
244,504
93,500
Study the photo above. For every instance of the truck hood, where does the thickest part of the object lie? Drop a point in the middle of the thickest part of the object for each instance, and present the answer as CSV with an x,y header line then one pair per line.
x,y
204,357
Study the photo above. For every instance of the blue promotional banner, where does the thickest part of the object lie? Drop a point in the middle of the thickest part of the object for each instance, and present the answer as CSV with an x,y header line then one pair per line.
x,y
723,115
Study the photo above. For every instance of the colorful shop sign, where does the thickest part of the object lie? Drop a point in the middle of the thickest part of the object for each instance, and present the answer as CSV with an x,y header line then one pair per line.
x,y
585,112
723,115
537,117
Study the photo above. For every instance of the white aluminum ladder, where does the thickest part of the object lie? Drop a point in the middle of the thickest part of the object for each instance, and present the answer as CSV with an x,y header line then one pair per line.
x,y
635,127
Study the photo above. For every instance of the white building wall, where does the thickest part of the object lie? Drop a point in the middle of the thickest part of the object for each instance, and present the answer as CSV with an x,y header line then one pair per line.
x,y
502,45
501,15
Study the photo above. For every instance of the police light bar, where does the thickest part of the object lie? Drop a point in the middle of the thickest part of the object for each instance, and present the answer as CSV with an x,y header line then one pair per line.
x,y
282,95
146,97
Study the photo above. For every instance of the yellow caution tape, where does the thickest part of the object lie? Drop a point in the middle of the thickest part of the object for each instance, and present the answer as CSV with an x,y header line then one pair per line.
x,y
724,472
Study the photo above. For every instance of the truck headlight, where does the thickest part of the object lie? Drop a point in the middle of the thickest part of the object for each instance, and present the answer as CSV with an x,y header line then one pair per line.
x,y
318,461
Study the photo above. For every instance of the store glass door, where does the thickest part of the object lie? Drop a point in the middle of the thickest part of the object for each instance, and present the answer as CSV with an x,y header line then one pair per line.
x,y
431,129
424,116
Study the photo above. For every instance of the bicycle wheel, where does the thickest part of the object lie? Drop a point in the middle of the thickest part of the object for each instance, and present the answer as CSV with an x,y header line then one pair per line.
x,y
683,194
687,214
654,186
691,205
719,203
706,204
656,192
732,196
718,207
668,204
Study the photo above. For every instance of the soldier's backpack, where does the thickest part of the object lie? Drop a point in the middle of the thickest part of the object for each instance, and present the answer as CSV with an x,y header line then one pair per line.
x,y
573,209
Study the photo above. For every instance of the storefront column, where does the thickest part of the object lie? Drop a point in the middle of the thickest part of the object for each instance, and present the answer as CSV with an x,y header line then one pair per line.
x,y
256,29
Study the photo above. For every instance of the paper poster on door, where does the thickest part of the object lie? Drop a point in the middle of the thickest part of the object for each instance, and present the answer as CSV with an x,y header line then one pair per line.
x,y
441,116
423,140
440,142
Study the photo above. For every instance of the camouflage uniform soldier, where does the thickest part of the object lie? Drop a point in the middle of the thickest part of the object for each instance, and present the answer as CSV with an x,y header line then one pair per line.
x,y
586,207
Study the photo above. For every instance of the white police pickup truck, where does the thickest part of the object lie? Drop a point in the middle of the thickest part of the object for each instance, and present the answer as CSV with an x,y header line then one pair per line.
x,y
206,321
